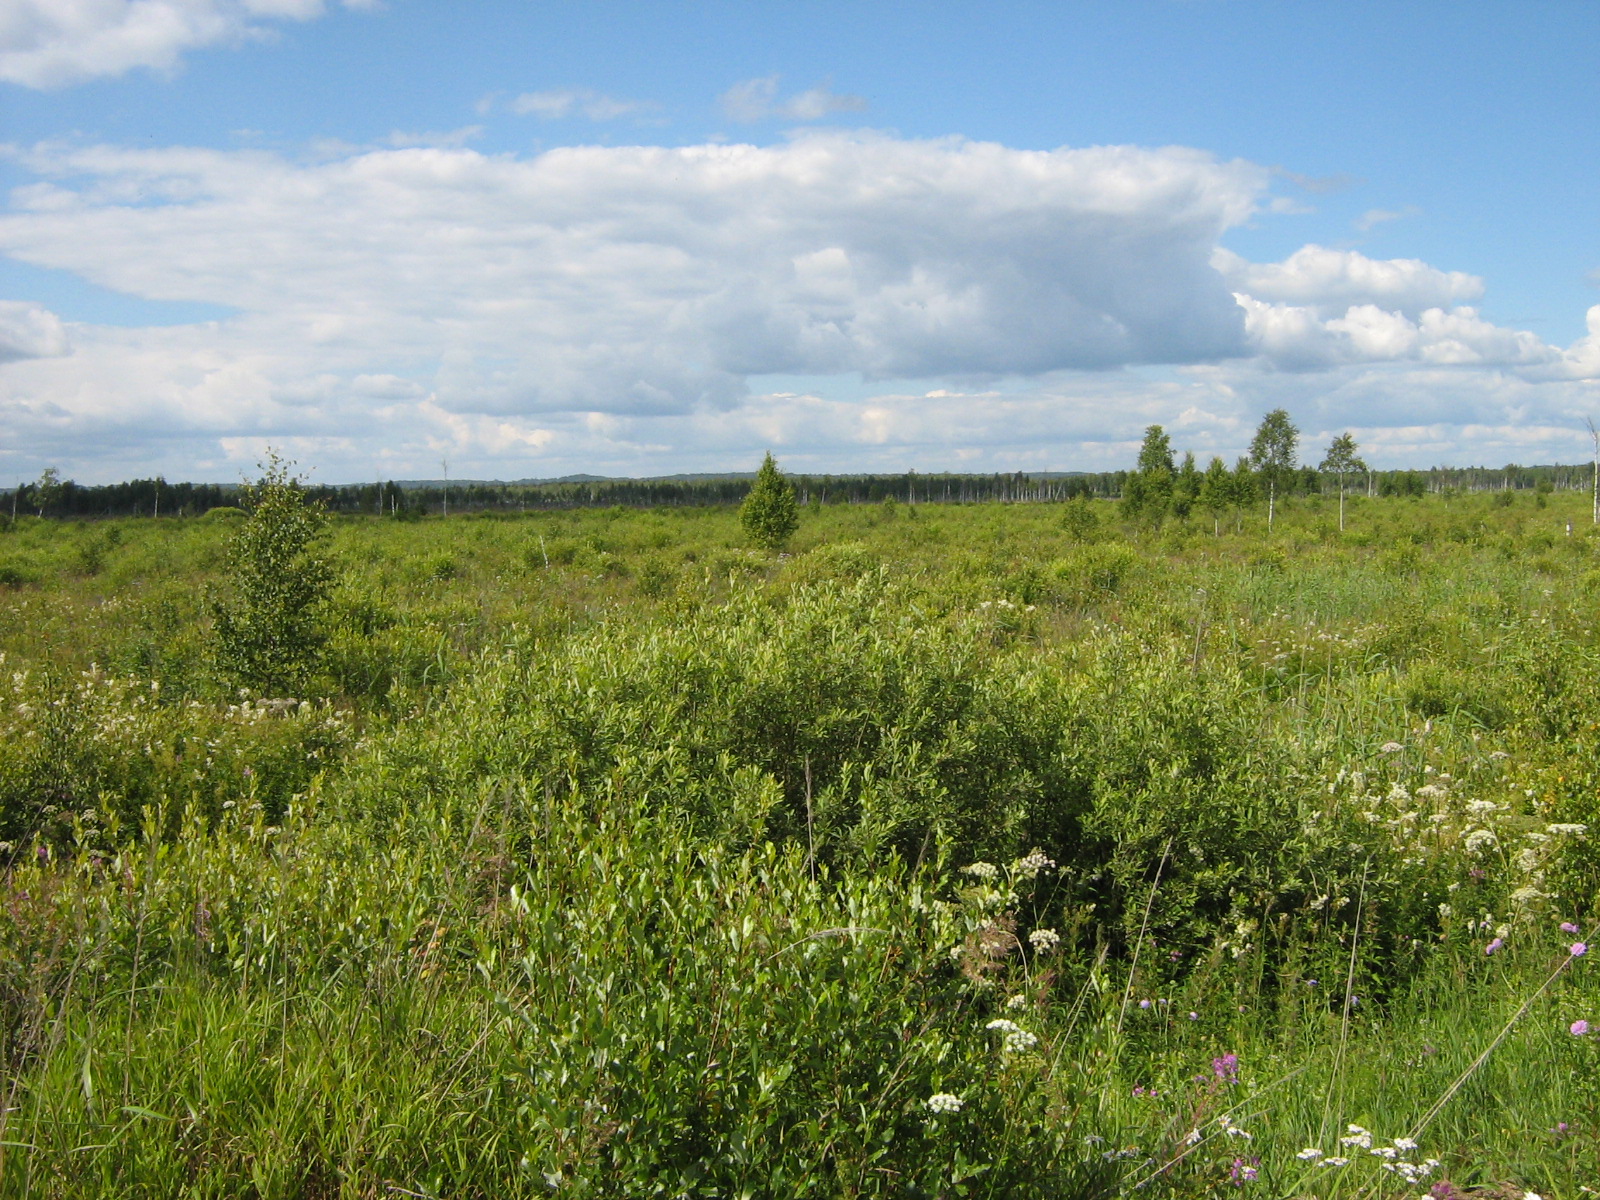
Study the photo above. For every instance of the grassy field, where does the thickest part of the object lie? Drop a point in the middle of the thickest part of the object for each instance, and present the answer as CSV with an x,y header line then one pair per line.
x,y
989,850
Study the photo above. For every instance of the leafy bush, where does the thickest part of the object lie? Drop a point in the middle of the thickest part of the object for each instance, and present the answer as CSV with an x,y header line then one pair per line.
x,y
1094,572
769,513
268,626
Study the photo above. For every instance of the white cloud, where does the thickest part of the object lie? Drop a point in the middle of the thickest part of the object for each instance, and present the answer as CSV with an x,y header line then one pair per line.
x,y
1323,308
1295,338
565,102
54,43
28,331
757,100
651,279
1335,279
1582,359
601,309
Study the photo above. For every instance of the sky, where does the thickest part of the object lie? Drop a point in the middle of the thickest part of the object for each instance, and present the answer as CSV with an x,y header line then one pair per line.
x,y
507,239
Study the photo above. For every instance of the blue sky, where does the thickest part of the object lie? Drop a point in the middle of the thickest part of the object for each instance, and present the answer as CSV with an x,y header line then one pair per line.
x,y
627,238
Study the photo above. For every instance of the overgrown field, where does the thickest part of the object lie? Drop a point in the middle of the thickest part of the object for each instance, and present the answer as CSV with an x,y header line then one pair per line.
x,y
991,850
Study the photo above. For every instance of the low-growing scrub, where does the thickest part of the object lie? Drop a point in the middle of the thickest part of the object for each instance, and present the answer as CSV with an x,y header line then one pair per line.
x,y
961,851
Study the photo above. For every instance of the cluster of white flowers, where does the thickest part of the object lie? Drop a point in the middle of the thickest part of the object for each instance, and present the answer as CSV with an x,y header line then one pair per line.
x,y
1566,830
1226,1124
1032,864
1480,840
1014,1038
981,870
1525,896
1044,940
1358,1138
943,1103
1396,1157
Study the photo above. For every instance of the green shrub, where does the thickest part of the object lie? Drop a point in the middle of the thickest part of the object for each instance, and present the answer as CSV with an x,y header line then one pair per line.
x,y
16,572
769,513
1094,572
268,624
655,579
1435,689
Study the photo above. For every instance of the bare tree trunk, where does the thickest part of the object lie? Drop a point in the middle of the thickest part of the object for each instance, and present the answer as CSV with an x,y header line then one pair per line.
x,y
1595,435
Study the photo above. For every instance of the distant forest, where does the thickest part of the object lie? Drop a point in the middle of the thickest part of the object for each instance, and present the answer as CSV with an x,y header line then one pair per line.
x,y
158,498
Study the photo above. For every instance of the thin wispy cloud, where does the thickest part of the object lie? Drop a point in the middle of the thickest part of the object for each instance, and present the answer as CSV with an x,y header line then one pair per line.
x,y
758,100
403,140
562,103
1319,185
1374,217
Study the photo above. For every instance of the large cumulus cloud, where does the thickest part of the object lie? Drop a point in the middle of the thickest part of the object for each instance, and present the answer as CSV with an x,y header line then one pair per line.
x,y
595,306
654,278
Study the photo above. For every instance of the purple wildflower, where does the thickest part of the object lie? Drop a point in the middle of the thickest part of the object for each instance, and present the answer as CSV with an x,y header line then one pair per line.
x,y
1578,1028
1226,1068
1494,945
1568,927
1579,949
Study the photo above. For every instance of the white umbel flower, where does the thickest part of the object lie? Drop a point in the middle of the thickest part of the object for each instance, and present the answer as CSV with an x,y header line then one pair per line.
x,y
1016,1040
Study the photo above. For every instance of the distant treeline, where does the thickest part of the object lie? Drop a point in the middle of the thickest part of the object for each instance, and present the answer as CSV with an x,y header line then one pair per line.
x,y
156,497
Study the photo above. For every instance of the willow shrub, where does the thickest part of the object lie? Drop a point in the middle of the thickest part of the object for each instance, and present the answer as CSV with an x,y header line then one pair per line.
x,y
854,724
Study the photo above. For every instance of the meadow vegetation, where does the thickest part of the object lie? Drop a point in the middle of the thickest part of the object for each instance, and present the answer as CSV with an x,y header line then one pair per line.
x,y
1046,849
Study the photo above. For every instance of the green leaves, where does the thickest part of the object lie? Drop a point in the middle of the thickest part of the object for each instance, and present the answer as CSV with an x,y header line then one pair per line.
x,y
268,627
769,513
